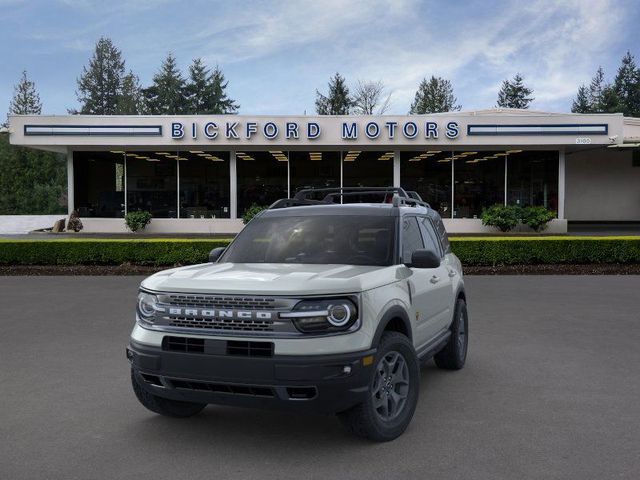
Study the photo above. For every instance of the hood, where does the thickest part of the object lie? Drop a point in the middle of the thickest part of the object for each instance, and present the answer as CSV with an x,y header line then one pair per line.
x,y
271,278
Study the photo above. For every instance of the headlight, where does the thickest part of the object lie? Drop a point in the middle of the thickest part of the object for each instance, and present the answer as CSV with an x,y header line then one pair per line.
x,y
324,315
146,306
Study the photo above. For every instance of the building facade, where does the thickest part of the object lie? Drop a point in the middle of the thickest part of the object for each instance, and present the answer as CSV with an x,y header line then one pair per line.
x,y
201,173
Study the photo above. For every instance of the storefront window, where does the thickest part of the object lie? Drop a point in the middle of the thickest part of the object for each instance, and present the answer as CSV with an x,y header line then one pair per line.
x,y
367,169
262,178
532,178
314,169
99,184
479,182
204,184
152,183
428,172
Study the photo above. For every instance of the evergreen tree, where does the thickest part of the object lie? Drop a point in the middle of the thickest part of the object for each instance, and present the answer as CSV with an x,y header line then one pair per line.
x,y
434,95
581,104
596,88
130,101
222,103
166,96
26,100
514,93
337,101
627,86
100,84
206,92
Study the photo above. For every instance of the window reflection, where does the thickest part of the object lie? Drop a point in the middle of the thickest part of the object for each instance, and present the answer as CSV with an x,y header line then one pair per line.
x,y
428,172
532,178
262,178
479,182
152,183
99,184
318,169
204,184
367,169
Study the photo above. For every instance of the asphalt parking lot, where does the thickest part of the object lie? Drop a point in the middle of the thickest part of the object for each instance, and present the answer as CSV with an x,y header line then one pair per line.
x,y
551,390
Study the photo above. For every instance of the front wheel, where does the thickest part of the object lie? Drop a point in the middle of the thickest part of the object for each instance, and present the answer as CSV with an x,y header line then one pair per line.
x,y
164,406
393,392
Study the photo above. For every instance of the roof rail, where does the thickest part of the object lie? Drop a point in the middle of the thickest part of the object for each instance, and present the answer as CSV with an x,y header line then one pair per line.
x,y
399,196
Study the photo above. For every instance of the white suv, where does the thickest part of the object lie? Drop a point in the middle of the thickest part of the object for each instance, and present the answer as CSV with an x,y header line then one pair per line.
x,y
315,306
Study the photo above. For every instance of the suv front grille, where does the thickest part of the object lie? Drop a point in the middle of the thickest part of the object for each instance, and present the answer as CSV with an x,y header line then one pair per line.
x,y
252,390
219,301
222,324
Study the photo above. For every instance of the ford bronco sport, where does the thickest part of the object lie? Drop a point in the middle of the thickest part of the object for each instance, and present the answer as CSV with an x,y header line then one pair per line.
x,y
319,305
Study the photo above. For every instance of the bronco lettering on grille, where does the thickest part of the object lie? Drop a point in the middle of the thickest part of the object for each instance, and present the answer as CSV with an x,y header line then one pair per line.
x,y
209,313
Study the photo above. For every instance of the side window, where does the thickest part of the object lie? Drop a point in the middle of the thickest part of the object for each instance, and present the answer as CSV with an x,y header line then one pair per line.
x,y
430,237
442,233
411,238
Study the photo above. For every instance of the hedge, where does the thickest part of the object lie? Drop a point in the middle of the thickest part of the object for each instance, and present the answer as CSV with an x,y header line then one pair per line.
x,y
546,250
165,252
107,252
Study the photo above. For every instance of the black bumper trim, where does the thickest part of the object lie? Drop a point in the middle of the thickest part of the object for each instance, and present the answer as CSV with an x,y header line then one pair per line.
x,y
313,383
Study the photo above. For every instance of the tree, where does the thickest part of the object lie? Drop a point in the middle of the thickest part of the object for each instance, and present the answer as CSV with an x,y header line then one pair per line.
x,y
370,98
514,93
99,86
206,92
596,89
167,96
434,95
130,100
627,86
26,100
337,101
581,104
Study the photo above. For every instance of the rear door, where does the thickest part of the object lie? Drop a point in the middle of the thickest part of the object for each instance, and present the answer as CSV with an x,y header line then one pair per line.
x,y
444,282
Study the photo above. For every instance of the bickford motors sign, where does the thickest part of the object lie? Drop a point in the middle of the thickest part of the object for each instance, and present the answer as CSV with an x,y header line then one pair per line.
x,y
290,130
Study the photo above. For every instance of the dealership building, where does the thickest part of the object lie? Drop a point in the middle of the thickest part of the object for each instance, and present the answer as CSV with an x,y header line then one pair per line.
x,y
199,174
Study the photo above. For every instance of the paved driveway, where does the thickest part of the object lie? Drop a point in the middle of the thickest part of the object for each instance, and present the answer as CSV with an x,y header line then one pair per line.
x,y
551,390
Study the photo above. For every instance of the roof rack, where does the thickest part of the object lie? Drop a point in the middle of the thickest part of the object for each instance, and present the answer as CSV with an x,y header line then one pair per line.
x,y
399,196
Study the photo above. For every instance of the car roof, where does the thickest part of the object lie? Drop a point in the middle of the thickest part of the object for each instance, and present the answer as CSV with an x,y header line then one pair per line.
x,y
355,209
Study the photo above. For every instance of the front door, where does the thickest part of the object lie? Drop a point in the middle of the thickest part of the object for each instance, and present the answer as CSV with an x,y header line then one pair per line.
x,y
430,287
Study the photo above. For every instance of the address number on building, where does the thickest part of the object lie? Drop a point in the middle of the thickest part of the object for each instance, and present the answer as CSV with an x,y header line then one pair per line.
x,y
583,141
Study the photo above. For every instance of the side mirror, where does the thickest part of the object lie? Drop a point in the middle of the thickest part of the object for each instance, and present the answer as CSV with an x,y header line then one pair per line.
x,y
214,255
425,259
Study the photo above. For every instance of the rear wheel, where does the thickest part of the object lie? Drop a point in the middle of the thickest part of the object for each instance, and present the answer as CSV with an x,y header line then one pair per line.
x,y
392,395
164,406
454,355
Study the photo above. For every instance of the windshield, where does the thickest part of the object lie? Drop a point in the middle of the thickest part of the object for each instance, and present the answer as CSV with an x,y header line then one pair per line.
x,y
340,239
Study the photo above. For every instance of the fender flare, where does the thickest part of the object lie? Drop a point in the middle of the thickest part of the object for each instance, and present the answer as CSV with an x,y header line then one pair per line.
x,y
395,311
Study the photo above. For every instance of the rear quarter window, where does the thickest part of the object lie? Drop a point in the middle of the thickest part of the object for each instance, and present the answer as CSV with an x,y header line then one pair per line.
x,y
442,233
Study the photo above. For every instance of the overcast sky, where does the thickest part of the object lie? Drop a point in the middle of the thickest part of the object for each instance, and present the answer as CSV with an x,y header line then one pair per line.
x,y
276,53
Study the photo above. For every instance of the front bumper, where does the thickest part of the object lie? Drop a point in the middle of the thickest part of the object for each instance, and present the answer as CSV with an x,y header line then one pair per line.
x,y
313,383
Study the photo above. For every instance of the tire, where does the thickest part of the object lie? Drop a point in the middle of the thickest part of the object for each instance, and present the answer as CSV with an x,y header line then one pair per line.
x,y
164,406
368,419
454,355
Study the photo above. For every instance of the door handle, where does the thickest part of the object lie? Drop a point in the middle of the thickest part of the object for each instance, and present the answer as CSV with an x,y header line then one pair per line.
x,y
452,273
434,279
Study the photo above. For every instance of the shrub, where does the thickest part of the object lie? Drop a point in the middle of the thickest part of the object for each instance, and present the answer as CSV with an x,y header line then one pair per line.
x,y
137,220
74,223
71,251
546,250
251,212
537,217
168,252
503,217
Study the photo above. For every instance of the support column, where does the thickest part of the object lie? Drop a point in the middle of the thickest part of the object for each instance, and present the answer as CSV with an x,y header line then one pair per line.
x,y
233,186
70,193
453,182
506,167
396,168
561,183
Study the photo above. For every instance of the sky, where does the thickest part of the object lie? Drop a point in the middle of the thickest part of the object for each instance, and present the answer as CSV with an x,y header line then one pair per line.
x,y
275,54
